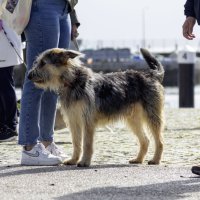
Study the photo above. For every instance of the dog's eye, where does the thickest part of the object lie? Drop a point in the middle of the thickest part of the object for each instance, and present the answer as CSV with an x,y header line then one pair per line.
x,y
35,63
42,63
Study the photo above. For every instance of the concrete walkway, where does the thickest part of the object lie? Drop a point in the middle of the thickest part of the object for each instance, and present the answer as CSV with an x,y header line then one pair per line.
x,y
106,182
110,177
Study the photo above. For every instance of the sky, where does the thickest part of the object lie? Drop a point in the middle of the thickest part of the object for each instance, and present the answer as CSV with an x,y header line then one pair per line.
x,y
130,20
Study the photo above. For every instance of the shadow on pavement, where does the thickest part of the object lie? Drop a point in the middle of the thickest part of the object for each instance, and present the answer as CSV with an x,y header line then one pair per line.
x,y
7,170
183,129
167,191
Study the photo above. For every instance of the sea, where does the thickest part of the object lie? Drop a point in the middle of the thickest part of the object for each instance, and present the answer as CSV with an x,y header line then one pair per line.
x,y
171,96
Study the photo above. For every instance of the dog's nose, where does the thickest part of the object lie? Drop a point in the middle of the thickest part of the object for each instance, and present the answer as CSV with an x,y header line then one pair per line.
x,y
30,76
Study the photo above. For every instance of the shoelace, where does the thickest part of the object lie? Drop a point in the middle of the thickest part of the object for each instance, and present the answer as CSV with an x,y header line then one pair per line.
x,y
55,150
43,149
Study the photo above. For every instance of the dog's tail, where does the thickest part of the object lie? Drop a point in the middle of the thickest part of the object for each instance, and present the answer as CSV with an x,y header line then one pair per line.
x,y
154,64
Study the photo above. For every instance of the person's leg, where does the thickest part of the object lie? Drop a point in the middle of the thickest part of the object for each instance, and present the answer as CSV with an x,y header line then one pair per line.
x,y
8,105
3,89
65,31
11,101
49,99
48,105
47,118
8,98
42,33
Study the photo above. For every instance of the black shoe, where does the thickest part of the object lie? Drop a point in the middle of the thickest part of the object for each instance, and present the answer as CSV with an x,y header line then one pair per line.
x,y
196,170
7,134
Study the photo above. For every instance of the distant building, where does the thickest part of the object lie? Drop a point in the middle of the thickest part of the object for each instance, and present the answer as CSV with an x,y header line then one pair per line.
x,y
108,55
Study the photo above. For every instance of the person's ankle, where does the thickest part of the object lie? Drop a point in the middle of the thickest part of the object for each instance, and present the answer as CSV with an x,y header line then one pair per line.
x,y
46,143
29,147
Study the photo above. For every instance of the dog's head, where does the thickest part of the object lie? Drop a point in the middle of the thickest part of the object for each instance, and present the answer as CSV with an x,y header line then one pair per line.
x,y
54,68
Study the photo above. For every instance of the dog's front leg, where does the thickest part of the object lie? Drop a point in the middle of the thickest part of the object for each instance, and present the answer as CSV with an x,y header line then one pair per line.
x,y
76,132
88,136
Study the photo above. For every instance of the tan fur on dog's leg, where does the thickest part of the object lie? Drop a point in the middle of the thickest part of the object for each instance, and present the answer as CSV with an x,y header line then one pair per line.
x,y
136,122
156,127
88,137
76,141
156,131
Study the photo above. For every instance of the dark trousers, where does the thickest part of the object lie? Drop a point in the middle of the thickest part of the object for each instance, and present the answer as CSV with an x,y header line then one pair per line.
x,y
8,106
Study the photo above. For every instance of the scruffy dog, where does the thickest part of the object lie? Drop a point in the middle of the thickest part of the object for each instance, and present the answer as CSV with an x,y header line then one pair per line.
x,y
90,99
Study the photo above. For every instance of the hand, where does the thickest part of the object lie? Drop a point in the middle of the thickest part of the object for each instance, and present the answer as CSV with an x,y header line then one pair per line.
x,y
1,25
74,33
188,28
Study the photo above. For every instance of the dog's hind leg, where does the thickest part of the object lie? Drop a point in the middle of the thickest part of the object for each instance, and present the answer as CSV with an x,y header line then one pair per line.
x,y
155,123
88,137
76,132
136,123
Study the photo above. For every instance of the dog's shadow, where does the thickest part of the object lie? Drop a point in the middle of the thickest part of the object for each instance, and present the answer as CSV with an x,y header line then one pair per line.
x,y
16,170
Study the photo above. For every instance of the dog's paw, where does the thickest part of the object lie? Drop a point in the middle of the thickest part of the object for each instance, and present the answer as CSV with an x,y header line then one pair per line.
x,y
83,164
153,162
135,161
70,162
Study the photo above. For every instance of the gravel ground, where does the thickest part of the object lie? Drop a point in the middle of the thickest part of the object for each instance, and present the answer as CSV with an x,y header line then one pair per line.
x,y
116,145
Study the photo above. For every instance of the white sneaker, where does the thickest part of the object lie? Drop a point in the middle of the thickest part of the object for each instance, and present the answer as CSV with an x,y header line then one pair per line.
x,y
39,156
54,150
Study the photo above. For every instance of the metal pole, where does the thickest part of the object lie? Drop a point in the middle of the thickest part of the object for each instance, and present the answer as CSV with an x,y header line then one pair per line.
x,y
143,28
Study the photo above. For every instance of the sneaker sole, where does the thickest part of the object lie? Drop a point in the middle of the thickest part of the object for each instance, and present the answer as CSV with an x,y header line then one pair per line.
x,y
9,139
36,164
39,163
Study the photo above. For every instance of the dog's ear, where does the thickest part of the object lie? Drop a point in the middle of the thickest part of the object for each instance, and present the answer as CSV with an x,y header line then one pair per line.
x,y
71,54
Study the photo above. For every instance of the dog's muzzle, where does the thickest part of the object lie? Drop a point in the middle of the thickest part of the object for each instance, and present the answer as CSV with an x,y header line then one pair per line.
x,y
30,75
34,76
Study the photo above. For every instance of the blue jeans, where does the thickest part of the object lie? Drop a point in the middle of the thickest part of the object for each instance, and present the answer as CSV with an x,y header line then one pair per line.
x,y
49,27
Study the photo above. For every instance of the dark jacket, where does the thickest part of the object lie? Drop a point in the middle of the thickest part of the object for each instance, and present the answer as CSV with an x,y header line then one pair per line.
x,y
192,9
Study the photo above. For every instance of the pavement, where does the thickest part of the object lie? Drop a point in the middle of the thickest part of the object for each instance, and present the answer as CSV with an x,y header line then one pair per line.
x,y
110,177
106,182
